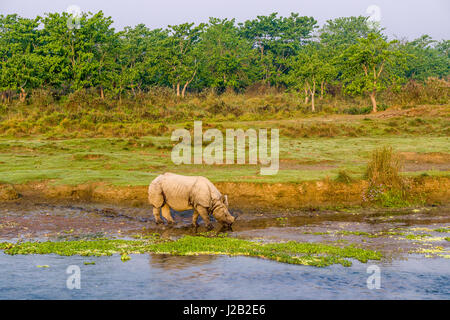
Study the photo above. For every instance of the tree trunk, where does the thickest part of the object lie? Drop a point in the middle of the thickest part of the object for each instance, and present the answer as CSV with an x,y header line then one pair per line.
x,y
183,92
178,89
22,95
374,102
102,94
313,93
306,96
322,84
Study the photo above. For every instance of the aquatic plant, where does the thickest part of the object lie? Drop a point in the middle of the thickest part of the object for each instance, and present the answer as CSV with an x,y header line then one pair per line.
x,y
355,233
417,236
443,230
314,254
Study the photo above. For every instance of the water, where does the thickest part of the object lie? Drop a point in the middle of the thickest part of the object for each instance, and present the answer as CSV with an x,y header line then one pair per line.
x,y
403,275
217,277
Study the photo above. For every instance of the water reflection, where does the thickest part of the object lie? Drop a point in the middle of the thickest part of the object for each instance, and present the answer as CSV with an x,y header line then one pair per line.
x,y
170,262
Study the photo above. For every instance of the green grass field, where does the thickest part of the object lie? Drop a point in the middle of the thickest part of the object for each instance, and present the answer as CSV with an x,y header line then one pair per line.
x,y
312,147
137,161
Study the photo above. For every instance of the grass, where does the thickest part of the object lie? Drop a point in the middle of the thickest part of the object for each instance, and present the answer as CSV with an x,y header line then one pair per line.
x,y
314,254
384,168
386,185
83,114
336,148
134,161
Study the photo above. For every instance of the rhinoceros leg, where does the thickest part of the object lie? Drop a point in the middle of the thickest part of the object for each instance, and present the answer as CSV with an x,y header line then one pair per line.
x,y
204,214
166,214
194,219
157,216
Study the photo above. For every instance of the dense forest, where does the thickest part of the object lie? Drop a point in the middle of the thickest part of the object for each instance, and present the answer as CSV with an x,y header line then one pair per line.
x,y
347,56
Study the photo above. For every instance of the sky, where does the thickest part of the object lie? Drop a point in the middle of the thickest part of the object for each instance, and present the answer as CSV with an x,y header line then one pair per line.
x,y
402,18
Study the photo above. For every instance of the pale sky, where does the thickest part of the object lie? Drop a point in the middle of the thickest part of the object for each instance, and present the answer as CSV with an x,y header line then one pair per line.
x,y
401,18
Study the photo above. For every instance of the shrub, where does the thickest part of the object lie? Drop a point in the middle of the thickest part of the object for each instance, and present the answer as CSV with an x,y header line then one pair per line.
x,y
356,110
384,168
386,186
343,177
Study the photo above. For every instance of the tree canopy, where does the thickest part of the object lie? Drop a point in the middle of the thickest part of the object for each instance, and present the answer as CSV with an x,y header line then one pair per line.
x,y
288,52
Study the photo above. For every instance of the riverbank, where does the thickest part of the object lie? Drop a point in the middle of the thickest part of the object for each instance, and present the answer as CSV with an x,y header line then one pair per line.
x,y
324,193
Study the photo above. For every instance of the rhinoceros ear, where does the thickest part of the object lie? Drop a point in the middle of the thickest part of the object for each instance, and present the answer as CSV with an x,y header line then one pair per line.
x,y
225,199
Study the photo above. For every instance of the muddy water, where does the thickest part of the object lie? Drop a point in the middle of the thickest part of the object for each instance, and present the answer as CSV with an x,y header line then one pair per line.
x,y
413,268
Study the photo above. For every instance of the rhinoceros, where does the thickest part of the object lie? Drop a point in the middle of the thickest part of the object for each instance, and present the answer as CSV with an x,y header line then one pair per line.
x,y
188,192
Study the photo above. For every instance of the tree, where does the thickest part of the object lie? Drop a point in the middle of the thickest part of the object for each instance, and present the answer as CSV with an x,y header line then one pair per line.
x,y
428,58
76,57
277,39
180,55
308,70
343,32
225,56
349,53
21,67
367,66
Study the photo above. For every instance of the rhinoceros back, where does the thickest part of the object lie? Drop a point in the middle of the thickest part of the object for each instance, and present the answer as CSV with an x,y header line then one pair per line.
x,y
182,192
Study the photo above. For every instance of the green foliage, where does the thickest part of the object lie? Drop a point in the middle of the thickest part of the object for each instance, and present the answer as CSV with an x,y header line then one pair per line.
x,y
270,50
369,66
429,58
357,110
343,32
393,199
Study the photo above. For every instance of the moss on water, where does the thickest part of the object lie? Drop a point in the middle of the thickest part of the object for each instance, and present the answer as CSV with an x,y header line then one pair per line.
x,y
314,254
417,236
355,233
443,230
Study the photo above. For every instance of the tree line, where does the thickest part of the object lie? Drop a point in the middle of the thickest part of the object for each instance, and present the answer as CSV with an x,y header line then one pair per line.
x,y
352,54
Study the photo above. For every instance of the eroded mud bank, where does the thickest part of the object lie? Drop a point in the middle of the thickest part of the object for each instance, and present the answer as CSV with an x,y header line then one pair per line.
x,y
325,193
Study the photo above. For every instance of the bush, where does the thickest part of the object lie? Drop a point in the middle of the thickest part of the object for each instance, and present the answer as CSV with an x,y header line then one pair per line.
x,y
386,186
384,168
343,177
356,110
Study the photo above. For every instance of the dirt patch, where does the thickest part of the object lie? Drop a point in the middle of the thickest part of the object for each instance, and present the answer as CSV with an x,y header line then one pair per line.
x,y
292,164
90,156
426,111
432,157
414,161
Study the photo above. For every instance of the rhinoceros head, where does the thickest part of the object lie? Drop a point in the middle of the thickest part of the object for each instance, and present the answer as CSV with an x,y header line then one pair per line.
x,y
221,213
